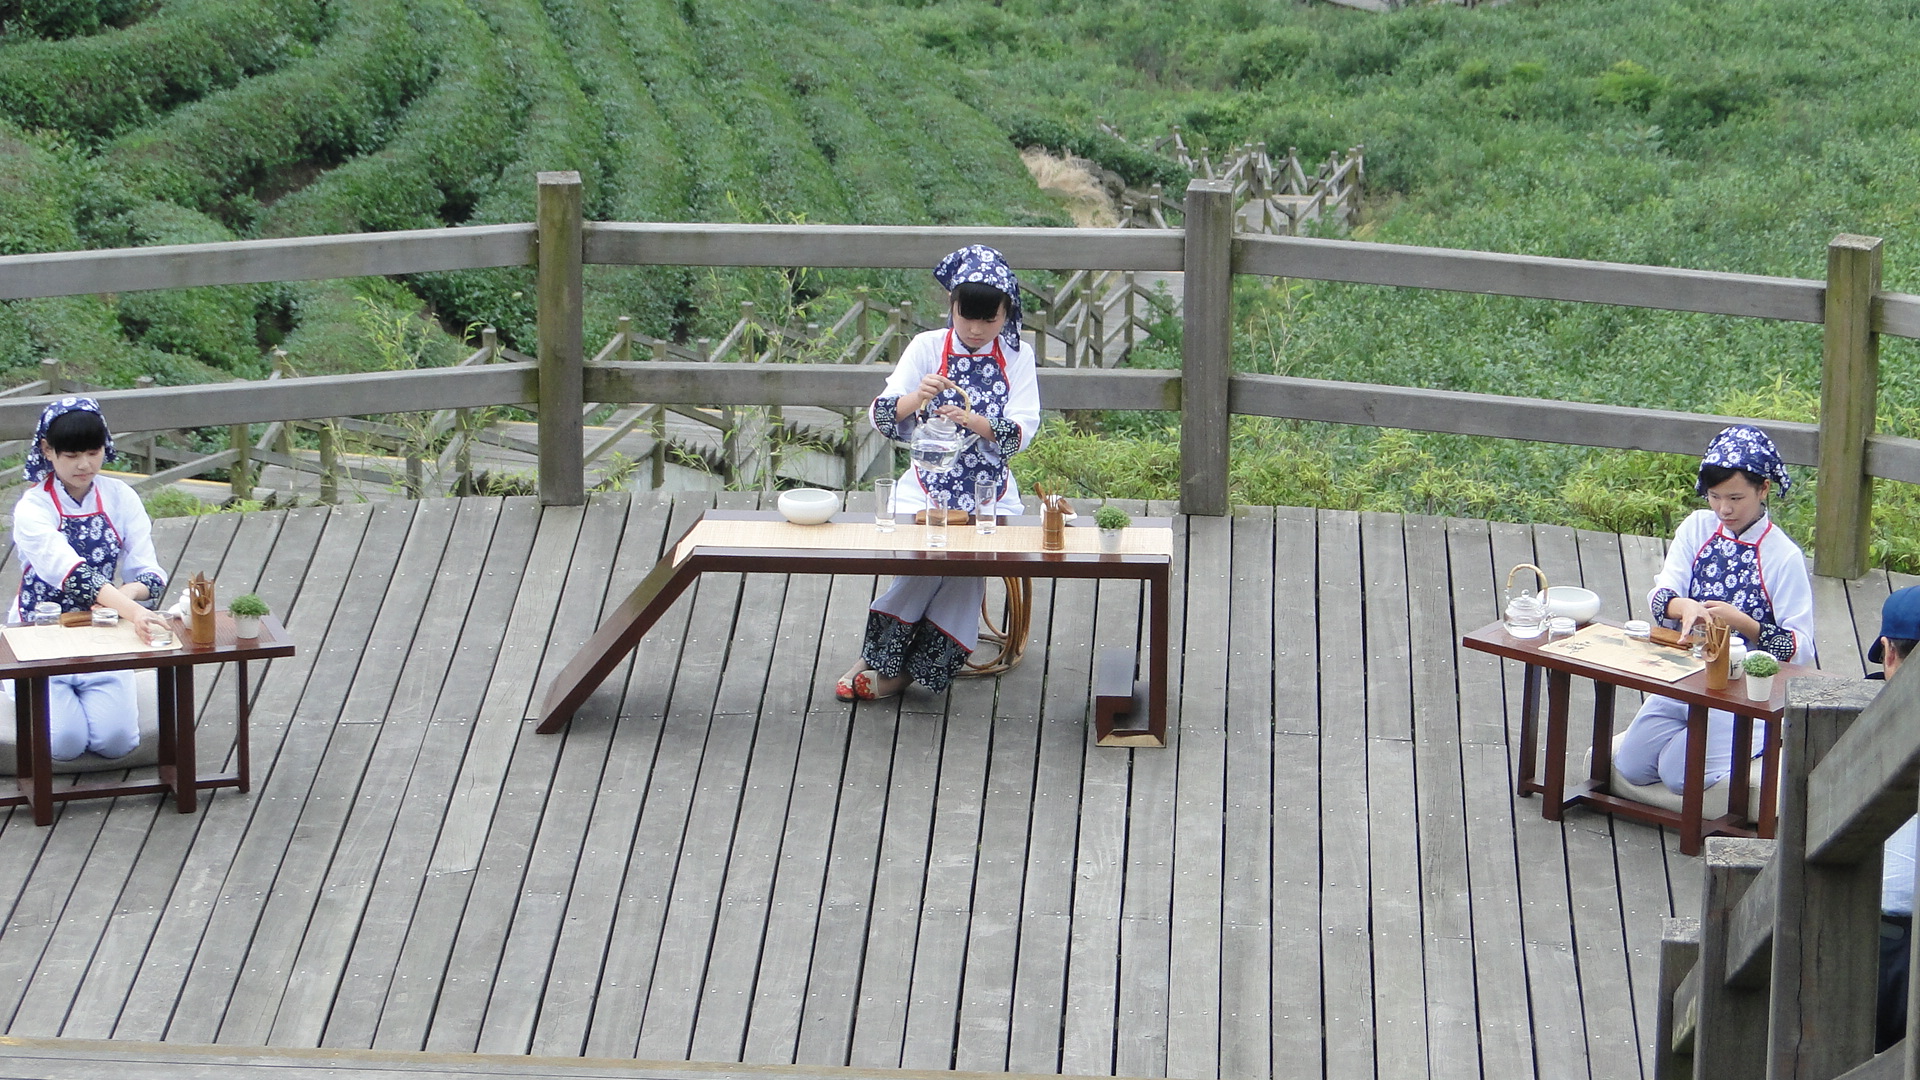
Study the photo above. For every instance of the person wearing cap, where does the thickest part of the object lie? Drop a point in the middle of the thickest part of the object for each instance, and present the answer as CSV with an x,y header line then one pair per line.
x,y
1728,562
1899,629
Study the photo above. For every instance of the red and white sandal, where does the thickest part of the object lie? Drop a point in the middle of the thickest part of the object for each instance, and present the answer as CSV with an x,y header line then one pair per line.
x,y
866,684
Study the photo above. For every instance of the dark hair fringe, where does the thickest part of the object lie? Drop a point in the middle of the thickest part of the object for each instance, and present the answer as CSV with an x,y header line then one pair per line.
x,y
77,432
978,300
1715,475
1899,646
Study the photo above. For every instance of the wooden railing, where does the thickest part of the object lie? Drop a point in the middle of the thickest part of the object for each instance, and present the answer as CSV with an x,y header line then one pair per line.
x,y
1777,977
1205,391
1270,194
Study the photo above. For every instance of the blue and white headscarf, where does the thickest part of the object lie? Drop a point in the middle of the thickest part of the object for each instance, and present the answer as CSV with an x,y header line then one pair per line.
x,y
1748,449
37,466
978,262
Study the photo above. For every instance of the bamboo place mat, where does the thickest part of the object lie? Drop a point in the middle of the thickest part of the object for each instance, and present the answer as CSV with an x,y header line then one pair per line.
x,y
862,536
1609,646
31,644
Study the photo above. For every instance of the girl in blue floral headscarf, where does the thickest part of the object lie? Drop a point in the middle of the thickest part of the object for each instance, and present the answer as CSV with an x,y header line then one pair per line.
x,y
1732,563
922,629
75,532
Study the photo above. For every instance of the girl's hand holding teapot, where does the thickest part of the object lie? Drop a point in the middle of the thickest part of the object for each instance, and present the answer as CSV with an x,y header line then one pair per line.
x,y
932,385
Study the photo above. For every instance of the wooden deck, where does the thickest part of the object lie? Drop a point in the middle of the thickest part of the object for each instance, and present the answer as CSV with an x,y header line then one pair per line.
x,y
1324,875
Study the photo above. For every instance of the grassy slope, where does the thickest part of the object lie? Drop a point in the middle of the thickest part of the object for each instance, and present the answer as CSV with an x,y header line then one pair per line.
x,y
1721,134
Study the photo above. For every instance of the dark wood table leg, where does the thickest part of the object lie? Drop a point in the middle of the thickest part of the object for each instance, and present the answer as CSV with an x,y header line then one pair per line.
x,y
614,640
1600,771
1742,777
33,746
1524,784
163,686
241,748
1692,795
186,794
1559,689
1157,660
1769,782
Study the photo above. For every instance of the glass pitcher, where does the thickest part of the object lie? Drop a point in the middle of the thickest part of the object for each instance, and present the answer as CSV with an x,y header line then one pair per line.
x,y
936,443
1526,615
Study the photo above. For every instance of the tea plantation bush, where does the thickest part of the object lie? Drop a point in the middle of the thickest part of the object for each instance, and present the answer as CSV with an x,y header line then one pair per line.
x,y
113,81
238,143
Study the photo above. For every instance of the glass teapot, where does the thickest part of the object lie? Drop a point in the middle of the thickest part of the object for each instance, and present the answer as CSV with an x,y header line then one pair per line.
x,y
936,443
1526,614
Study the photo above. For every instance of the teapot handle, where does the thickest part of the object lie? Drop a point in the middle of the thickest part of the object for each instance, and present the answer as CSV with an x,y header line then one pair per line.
x,y
964,396
1539,574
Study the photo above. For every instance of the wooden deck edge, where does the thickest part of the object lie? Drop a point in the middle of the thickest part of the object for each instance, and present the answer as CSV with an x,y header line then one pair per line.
x,y
60,1059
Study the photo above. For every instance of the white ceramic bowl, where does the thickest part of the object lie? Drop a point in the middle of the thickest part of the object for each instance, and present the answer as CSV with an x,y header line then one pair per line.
x,y
809,506
1574,602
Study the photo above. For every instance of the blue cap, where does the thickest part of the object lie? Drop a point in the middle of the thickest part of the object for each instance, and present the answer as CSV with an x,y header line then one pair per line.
x,y
1899,618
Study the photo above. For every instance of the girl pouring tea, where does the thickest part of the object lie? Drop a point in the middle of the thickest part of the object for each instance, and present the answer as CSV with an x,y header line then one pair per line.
x,y
977,374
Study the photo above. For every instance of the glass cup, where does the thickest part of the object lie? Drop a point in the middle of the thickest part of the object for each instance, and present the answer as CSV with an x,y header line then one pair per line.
x,y
45,613
937,520
158,634
883,505
986,492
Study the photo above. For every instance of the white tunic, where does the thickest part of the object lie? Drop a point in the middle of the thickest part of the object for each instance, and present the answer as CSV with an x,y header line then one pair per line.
x,y
42,548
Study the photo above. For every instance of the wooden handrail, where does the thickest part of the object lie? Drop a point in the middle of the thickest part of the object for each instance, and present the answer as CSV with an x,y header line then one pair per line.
x,y
248,262
1860,452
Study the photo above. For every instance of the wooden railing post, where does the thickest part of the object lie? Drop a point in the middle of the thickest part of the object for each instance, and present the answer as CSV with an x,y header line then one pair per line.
x,y
239,477
1849,388
559,292
1826,930
1206,354
1679,952
1730,1029
329,465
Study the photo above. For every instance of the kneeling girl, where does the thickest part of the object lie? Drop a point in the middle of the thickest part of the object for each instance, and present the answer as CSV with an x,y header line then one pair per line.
x,y
75,532
1732,563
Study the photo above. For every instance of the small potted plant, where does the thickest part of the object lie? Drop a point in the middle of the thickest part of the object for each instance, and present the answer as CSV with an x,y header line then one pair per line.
x,y
1761,668
247,609
1111,519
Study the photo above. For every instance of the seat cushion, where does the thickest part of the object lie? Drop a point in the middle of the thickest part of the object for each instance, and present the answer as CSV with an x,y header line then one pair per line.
x,y
146,689
1713,802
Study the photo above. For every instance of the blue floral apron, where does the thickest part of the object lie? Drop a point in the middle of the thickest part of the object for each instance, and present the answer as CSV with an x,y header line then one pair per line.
x,y
984,376
92,537
1727,569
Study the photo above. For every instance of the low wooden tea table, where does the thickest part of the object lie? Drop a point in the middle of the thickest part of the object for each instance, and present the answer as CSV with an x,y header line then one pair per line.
x,y
174,670
1692,690
762,542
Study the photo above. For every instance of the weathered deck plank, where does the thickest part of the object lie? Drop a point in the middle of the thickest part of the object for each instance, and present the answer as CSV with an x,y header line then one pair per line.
x,y
1295,845
1325,872
1445,912
1346,887
1501,997
1246,907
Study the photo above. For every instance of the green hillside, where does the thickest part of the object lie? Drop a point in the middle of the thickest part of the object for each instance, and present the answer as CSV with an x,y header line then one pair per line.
x,y
1736,135
196,120
1720,134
